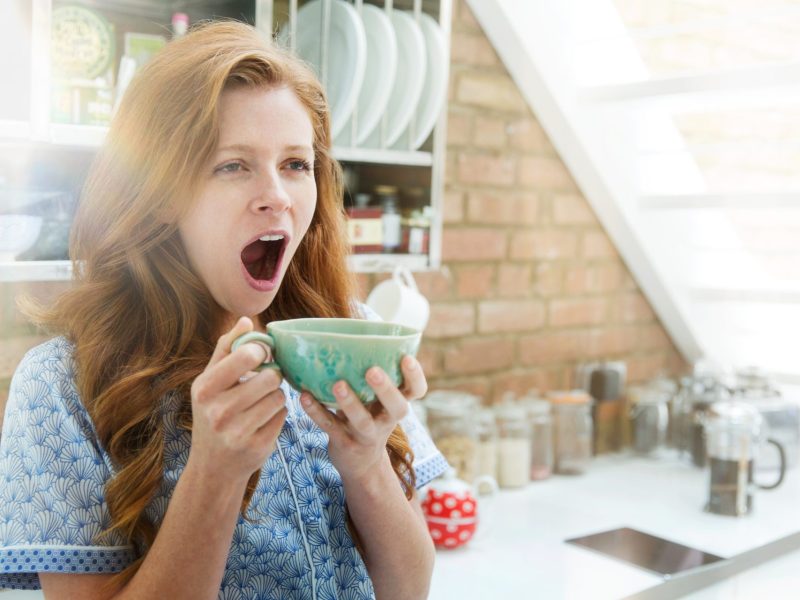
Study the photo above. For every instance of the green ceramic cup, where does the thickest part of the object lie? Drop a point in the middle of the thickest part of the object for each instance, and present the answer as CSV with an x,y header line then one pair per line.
x,y
313,354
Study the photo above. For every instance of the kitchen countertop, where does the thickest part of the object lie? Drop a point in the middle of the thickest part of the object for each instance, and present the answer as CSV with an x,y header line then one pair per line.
x,y
523,555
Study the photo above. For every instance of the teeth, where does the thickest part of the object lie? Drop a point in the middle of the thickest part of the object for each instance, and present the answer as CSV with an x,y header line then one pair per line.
x,y
271,238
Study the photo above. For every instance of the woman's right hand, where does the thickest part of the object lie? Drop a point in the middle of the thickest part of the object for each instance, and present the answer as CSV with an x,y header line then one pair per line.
x,y
235,425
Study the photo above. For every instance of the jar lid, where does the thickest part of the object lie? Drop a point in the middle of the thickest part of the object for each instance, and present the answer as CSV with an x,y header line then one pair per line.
x,y
510,412
386,190
486,417
451,402
648,394
537,407
569,397
733,413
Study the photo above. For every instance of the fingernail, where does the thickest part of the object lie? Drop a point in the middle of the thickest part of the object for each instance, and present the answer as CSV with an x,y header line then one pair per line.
x,y
411,363
305,400
340,389
374,375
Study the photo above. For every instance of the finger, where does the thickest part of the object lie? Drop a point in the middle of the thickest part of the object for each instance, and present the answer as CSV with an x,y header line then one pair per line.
x,y
223,347
267,435
324,419
227,372
415,384
247,393
394,402
259,414
353,411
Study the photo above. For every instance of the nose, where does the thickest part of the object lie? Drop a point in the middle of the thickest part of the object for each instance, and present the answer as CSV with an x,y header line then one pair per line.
x,y
272,195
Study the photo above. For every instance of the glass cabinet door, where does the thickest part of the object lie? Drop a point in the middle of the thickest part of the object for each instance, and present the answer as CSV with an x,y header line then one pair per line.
x,y
16,67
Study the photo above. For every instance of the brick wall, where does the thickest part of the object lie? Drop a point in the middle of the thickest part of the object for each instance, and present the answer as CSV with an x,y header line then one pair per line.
x,y
530,285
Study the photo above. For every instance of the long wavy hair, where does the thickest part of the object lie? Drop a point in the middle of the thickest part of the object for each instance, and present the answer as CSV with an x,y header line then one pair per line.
x,y
142,323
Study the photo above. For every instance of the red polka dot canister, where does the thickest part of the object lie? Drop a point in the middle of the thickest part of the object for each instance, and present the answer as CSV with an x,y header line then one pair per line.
x,y
451,509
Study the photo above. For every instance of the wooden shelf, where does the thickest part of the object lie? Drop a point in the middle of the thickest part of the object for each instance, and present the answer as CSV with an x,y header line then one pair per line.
x,y
61,270
41,270
384,263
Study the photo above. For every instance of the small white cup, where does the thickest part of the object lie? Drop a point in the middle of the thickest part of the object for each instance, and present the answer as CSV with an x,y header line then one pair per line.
x,y
398,300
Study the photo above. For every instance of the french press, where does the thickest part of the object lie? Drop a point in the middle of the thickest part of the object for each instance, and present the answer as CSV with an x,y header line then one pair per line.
x,y
735,435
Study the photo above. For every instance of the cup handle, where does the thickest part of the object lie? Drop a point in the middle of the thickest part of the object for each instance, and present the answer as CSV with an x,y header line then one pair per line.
x,y
264,339
404,277
782,455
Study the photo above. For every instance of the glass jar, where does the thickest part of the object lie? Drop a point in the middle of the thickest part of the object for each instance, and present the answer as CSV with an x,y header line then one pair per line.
x,y
390,219
541,424
514,446
452,424
487,443
649,417
572,431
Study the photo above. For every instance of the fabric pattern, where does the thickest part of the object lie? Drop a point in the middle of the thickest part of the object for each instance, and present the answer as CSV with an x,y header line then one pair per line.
x,y
294,545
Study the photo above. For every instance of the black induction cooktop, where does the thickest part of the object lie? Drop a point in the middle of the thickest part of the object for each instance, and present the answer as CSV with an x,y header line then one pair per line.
x,y
646,551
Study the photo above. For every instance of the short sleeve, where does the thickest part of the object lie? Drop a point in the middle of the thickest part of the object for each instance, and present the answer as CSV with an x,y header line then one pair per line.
x,y
52,478
429,463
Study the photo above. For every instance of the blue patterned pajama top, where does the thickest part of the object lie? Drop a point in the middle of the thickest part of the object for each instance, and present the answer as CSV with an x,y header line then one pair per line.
x,y
295,544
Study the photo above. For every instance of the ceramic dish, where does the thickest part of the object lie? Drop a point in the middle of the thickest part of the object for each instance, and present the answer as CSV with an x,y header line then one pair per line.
x,y
81,43
346,54
378,77
433,92
408,81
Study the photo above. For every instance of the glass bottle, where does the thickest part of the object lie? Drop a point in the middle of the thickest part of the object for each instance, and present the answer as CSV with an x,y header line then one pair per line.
x,y
541,423
453,427
572,431
514,446
487,443
649,415
390,220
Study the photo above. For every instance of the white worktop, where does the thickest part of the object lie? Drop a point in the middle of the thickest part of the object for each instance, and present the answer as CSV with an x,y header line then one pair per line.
x,y
523,554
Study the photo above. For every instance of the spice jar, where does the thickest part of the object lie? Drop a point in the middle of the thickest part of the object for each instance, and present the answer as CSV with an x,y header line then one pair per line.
x,y
572,431
514,446
453,427
541,424
487,443
649,418
390,219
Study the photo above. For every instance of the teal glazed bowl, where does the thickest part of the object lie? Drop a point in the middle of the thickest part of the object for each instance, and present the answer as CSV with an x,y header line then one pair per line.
x,y
313,354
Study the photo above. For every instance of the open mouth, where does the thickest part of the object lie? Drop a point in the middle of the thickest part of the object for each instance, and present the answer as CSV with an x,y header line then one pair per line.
x,y
262,258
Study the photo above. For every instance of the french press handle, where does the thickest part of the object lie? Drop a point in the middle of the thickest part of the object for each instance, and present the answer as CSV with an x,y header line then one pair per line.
x,y
782,473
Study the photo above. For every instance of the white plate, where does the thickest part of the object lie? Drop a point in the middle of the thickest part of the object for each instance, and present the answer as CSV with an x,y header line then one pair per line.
x,y
346,51
408,81
434,91
378,77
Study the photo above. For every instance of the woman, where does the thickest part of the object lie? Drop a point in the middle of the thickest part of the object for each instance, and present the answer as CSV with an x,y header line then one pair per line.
x,y
138,450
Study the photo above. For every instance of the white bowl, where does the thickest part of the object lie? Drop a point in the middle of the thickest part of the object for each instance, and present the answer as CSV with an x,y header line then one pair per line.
x,y
17,234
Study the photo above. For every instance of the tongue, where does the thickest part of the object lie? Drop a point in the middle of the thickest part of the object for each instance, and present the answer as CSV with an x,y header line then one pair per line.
x,y
254,252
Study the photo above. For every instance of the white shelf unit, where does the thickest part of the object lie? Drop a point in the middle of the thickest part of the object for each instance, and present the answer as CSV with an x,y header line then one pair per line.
x,y
39,131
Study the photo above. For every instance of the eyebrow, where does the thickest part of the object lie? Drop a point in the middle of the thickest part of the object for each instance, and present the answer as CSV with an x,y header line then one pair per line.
x,y
248,148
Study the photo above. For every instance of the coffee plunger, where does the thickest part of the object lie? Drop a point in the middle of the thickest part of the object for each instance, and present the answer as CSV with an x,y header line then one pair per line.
x,y
735,434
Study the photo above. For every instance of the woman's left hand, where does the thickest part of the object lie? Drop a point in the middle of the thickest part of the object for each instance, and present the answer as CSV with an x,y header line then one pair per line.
x,y
358,433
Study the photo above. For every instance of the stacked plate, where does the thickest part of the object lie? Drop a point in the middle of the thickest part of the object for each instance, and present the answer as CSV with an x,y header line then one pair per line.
x,y
384,72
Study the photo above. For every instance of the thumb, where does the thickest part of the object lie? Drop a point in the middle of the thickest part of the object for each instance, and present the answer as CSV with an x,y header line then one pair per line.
x,y
223,348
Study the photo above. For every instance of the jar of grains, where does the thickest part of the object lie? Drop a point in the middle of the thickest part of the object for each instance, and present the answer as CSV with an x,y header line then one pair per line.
x,y
487,443
452,422
541,423
514,446
572,430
